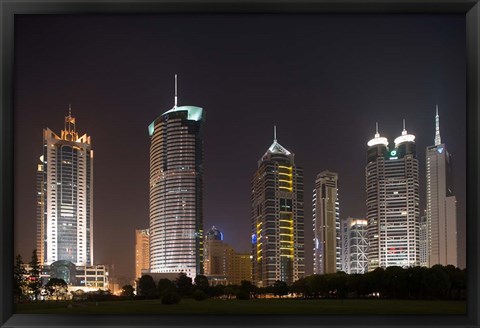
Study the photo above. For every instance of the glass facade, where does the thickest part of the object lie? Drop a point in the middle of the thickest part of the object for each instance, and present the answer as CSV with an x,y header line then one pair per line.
x,y
393,214
64,197
176,191
277,216
326,224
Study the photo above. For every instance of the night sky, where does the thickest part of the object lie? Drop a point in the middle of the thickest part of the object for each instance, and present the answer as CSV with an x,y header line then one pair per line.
x,y
324,80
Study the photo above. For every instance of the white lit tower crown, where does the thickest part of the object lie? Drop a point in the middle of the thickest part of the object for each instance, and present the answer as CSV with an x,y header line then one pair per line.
x,y
176,190
65,197
277,218
441,211
392,186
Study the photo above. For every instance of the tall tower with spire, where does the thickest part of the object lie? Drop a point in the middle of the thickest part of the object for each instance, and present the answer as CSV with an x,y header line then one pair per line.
x,y
176,190
65,196
277,218
392,188
441,211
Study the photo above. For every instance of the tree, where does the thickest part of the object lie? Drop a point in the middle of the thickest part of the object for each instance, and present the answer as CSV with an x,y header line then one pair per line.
x,y
171,298
201,282
56,287
229,291
18,278
300,287
248,287
416,282
437,282
164,286
184,284
395,282
127,291
280,288
199,295
147,287
34,280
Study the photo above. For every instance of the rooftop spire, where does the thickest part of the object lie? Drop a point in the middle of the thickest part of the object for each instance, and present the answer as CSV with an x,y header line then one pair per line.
x,y
376,130
404,132
438,140
274,133
69,132
175,92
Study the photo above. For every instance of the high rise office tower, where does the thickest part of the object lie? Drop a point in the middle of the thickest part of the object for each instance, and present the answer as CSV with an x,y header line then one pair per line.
x,y
176,190
423,240
65,197
354,241
441,204
142,251
392,202
326,224
277,218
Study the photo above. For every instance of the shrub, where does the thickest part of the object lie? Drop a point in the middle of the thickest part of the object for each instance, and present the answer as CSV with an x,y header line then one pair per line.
x,y
199,295
171,298
242,295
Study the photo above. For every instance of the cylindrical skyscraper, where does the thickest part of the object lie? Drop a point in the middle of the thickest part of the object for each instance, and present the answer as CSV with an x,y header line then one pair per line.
x,y
176,191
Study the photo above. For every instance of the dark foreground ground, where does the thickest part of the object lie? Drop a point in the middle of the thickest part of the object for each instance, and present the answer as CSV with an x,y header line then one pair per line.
x,y
257,306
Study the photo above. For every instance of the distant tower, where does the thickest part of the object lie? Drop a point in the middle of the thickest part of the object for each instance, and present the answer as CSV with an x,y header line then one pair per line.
x,y
354,240
441,204
423,240
222,260
176,190
64,197
326,224
277,218
142,251
392,202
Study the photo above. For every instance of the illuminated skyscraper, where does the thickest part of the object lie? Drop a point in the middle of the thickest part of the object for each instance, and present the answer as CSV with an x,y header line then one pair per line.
x,y
441,204
142,251
326,224
176,190
354,241
423,241
64,197
222,260
392,202
277,218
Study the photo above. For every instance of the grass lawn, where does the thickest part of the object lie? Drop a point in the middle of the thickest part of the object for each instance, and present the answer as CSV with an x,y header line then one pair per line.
x,y
257,306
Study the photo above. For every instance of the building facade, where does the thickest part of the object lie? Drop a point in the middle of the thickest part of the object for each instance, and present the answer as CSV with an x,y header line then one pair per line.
x,y
354,241
65,197
326,224
142,251
441,204
423,240
176,191
222,261
392,187
277,215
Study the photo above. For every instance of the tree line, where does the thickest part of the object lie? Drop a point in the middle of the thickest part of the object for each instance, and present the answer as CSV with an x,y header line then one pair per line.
x,y
437,282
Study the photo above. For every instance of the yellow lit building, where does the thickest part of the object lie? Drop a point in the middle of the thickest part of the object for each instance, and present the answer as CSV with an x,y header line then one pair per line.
x,y
221,260
142,251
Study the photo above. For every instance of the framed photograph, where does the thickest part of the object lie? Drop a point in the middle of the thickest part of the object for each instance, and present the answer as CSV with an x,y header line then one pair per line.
x,y
270,163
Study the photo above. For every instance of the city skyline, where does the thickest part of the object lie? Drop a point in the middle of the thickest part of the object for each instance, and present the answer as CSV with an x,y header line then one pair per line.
x,y
317,112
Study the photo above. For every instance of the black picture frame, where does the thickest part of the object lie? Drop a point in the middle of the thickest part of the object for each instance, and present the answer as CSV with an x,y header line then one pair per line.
x,y
8,10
